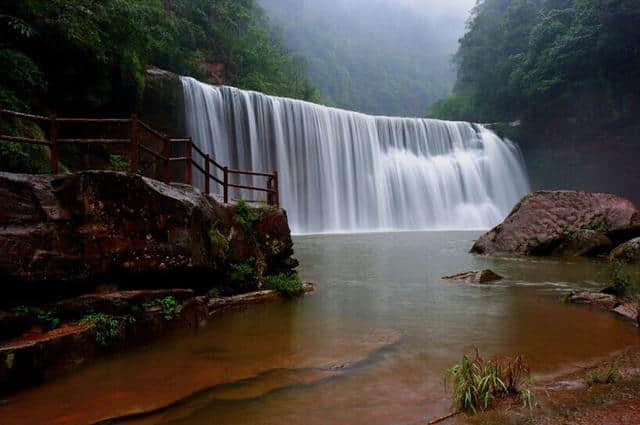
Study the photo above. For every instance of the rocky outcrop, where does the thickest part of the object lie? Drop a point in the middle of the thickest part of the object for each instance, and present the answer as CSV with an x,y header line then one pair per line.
x,y
484,276
163,102
67,235
562,223
629,252
624,306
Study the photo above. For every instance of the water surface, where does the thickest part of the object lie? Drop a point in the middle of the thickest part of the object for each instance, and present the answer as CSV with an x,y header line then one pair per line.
x,y
369,347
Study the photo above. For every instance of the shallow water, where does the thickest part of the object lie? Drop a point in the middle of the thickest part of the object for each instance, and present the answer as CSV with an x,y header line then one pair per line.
x,y
369,347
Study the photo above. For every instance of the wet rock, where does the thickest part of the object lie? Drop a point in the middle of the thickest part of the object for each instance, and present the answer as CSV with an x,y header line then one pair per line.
x,y
562,223
484,276
628,310
628,252
596,299
66,235
583,242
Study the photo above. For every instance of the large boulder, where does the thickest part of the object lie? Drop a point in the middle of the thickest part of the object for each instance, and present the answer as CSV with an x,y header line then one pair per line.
x,y
629,252
562,223
64,235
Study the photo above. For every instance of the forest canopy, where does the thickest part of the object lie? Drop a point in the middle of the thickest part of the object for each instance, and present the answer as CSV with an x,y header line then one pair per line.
x,y
91,55
535,59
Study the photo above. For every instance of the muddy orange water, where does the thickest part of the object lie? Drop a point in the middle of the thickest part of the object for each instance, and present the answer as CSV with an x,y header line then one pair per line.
x,y
369,347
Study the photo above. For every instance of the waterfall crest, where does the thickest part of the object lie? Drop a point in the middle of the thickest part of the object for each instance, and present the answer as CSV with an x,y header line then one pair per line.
x,y
343,171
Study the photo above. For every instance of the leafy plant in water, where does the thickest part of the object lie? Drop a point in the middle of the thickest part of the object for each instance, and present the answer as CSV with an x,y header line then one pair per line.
x,y
45,317
478,382
289,286
107,327
603,375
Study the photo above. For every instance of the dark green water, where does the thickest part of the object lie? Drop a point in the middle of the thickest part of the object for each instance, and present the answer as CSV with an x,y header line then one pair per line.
x,y
369,347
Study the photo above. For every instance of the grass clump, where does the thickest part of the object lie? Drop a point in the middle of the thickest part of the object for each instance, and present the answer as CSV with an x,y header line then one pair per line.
x,y
242,272
170,306
477,382
289,286
603,375
622,281
108,328
47,318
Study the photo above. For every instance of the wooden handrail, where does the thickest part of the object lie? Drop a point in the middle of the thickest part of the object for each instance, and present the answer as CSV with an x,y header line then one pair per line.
x,y
134,146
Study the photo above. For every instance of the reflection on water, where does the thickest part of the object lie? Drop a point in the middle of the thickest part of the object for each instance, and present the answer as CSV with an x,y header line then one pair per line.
x,y
369,347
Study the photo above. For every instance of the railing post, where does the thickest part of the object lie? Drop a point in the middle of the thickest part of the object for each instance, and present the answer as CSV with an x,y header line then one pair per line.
x,y
226,184
134,144
206,173
187,168
276,188
270,188
54,144
166,152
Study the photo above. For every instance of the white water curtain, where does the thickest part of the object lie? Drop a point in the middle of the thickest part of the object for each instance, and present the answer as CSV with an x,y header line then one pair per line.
x,y
343,171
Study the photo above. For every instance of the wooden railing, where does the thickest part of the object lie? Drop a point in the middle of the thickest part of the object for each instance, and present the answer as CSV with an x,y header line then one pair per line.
x,y
135,134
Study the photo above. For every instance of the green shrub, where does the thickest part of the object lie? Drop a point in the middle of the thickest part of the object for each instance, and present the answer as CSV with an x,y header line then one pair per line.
x,y
170,306
603,375
478,382
242,272
289,286
47,318
245,217
108,328
622,281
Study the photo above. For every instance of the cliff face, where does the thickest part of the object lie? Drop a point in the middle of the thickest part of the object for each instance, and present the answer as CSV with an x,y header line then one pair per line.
x,y
67,235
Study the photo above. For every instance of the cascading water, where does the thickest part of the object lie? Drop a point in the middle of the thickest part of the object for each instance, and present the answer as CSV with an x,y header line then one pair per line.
x,y
343,171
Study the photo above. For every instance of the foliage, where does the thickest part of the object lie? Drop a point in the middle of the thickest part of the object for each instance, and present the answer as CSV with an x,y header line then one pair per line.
x,y
19,157
602,375
219,243
170,306
242,272
622,280
539,59
245,217
289,286
119,163
108,328
478,382
380,57
45,317
87,56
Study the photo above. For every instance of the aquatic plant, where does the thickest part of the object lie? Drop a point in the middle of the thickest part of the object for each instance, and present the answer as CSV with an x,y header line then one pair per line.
x,y
478,382
289,286
603,375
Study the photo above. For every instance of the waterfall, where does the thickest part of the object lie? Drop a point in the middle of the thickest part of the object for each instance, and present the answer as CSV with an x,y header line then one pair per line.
x,y
343,171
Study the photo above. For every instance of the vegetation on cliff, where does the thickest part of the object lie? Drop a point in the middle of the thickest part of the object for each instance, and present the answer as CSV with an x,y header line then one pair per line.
x,y
533,59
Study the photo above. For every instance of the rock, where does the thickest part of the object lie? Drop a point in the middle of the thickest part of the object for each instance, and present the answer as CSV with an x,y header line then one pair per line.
x,y
163,102
628,310
484,276
596,299
562,223
628,252
62,236
583,242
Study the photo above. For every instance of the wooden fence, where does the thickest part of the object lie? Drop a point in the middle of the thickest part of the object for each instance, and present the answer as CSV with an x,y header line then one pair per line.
x,y
209,168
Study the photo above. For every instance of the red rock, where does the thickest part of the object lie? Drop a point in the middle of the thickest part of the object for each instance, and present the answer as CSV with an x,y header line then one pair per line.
x,y
543,222
484,276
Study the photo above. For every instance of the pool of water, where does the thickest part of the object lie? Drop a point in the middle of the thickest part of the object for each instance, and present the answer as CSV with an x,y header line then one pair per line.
x,y
369,347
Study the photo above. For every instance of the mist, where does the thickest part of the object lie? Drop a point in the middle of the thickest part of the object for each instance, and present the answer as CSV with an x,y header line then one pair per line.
x,y
383,57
